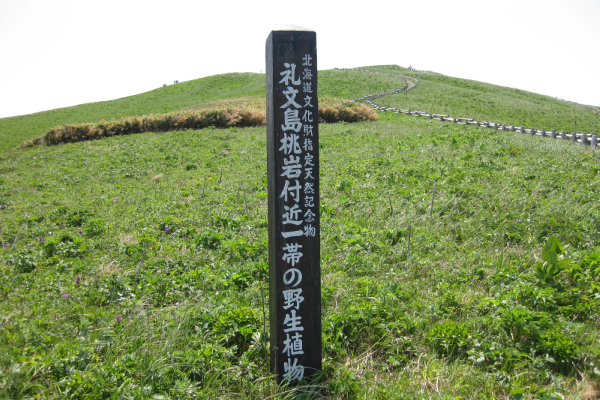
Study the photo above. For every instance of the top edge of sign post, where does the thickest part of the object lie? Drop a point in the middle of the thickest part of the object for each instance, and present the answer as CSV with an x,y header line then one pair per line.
x,y
291,27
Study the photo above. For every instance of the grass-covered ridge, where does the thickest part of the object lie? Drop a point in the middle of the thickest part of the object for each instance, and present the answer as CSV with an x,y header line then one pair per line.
x,y
135,266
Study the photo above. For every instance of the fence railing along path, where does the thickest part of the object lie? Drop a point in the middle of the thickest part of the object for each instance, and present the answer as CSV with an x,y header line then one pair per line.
x,y
410,83
401,68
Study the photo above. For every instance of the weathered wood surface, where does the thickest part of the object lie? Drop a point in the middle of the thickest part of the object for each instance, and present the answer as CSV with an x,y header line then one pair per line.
x,y
293,205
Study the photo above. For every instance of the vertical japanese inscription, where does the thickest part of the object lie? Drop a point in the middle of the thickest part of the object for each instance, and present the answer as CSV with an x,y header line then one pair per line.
x,y
293,185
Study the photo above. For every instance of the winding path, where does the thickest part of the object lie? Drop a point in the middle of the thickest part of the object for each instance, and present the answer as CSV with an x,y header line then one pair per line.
x,y
411,83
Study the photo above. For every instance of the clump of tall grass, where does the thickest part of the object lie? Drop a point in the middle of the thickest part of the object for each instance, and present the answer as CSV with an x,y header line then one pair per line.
x,y
333,110
177,120
336,110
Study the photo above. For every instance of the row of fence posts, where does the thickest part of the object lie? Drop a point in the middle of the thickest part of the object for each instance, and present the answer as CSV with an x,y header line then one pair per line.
x,y
577,137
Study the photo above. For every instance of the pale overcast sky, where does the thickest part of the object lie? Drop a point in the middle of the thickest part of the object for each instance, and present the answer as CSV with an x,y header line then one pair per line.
x,y
65,52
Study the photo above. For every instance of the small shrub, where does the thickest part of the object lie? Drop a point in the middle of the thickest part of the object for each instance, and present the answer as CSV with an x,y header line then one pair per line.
x,y
498,358
450,304
210,240
560,348
353,328
346,385
23,262
4,203
235,328
63,246
78,218
586,272
344,186
94,227
170,224
399,352
394,236
548,271
68,250
514,150
449,338
524,326
113,289
240,280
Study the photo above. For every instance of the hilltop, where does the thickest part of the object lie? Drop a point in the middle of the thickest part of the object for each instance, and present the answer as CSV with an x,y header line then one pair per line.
x,y
136,265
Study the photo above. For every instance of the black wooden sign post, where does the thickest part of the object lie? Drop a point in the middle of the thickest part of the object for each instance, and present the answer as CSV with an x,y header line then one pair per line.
x,y
294,226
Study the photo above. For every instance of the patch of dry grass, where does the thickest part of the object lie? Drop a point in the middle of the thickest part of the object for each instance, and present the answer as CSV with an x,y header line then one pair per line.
x,y
590,391
240,112
337,110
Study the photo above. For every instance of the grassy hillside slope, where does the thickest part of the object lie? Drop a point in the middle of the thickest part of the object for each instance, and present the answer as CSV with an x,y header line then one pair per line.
x,y
136,266
483,101
191,94
436,93
13,131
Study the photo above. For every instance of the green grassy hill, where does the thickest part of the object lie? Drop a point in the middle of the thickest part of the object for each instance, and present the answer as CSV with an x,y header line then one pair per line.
x,y
13,131
435,93
136,266
465,98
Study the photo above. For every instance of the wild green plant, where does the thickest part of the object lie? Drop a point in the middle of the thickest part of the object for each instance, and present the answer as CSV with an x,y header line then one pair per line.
x,y
548,270
449,339
23,262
